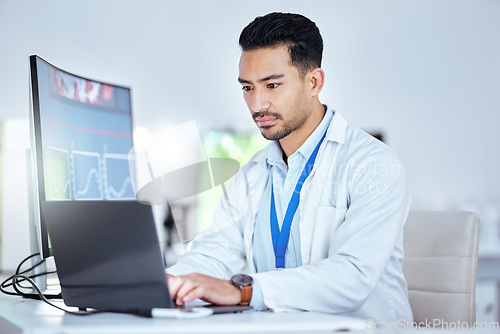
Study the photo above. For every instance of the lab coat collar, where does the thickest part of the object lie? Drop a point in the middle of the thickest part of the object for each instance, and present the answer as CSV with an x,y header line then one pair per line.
x,y
336,130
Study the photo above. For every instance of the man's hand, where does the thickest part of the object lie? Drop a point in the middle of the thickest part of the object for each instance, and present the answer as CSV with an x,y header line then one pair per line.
x,y
184,289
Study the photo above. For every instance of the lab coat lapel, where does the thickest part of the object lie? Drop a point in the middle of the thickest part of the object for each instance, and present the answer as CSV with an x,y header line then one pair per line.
x,y
311,199
257,177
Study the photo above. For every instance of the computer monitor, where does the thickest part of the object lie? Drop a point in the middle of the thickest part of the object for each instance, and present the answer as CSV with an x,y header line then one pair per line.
x,y
81,134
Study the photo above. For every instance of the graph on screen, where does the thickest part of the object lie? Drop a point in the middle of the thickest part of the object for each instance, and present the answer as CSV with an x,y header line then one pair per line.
x,y
58,184
116,186
83,175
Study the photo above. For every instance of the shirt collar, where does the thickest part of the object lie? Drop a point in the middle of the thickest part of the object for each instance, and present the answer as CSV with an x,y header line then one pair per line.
x,y
274,154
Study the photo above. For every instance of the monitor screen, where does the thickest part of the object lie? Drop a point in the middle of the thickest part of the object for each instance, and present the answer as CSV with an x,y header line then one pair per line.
x,y
81,136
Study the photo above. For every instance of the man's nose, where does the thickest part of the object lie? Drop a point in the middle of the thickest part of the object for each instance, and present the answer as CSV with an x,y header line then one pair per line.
x,y
260,101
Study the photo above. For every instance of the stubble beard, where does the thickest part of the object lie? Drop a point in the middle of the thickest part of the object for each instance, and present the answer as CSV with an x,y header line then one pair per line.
x,y
298,119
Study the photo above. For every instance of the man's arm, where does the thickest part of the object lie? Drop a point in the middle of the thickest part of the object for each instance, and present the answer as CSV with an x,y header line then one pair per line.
x,y
359,252
217,253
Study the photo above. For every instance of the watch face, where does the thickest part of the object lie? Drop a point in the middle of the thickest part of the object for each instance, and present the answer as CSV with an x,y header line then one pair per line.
x,y
242,280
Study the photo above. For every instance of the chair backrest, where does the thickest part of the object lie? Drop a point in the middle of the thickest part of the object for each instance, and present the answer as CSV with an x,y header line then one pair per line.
x,y
441,265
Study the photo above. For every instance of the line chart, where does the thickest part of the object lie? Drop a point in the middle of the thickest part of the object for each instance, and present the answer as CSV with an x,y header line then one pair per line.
x,y
57,175
86,175
115,184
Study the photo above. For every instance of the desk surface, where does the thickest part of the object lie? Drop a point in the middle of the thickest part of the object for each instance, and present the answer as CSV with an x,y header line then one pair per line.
x,y
19,315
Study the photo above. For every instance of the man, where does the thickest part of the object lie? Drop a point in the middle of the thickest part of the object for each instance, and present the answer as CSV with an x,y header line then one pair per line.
x,y
315,220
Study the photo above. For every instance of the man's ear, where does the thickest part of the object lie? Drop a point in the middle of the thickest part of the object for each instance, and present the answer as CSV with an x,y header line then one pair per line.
x,y
317,80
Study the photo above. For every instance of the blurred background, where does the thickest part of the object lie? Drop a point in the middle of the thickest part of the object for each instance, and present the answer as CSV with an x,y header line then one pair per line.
x,y
423,73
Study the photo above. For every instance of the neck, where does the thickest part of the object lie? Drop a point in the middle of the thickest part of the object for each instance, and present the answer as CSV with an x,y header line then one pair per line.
x,y
291,143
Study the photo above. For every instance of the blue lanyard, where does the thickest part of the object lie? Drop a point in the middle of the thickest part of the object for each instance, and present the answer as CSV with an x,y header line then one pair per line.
x,y
280,239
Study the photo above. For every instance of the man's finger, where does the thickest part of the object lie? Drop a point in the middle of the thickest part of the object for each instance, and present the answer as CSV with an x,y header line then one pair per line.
x,y
198,292
184,289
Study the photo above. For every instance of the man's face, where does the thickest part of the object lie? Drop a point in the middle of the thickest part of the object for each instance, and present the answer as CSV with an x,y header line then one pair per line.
x,y
274,91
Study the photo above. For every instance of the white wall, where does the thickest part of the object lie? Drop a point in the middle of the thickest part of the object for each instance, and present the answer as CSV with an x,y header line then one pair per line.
x,y
427,72
14,231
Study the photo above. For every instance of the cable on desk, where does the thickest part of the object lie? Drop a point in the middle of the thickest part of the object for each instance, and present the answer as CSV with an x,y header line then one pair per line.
x,y
43,298
9,282
19,276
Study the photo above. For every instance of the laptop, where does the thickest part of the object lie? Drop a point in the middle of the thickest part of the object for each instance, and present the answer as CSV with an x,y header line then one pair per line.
x,y
108,256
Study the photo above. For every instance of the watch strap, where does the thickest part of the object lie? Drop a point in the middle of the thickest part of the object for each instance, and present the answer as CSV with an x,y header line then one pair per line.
x,y
246,295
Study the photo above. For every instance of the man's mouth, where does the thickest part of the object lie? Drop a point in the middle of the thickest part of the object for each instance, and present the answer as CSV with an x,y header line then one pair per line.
x,y
265,119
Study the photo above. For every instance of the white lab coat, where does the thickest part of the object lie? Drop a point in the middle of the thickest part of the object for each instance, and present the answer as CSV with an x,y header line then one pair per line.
x,y
352,210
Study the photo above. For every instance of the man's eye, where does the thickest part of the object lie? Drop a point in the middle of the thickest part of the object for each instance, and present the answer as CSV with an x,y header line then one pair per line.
x,y
246,88
273,85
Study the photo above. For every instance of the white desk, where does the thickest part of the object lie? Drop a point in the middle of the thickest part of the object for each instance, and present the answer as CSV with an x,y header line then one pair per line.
x,y
19,315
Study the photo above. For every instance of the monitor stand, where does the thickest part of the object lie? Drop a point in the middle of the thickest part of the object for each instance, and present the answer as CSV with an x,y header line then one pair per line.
x,y
41,281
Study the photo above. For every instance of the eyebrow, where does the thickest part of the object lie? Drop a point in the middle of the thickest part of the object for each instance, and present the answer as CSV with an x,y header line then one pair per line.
x,y
269,77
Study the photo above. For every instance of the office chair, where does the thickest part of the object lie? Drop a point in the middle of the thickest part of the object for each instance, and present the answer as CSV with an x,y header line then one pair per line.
x,y
441,265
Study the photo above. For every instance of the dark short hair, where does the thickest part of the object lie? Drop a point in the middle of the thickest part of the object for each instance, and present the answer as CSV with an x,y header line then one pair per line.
x,y
300,34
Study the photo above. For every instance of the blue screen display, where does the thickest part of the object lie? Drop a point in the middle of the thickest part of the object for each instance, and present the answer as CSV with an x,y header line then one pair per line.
x,y
86,135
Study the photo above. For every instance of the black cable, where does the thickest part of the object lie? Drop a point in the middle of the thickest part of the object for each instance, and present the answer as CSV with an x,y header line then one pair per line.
x,y
10,282
43,298
26,259
32,276
15,280
5,284
139,312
